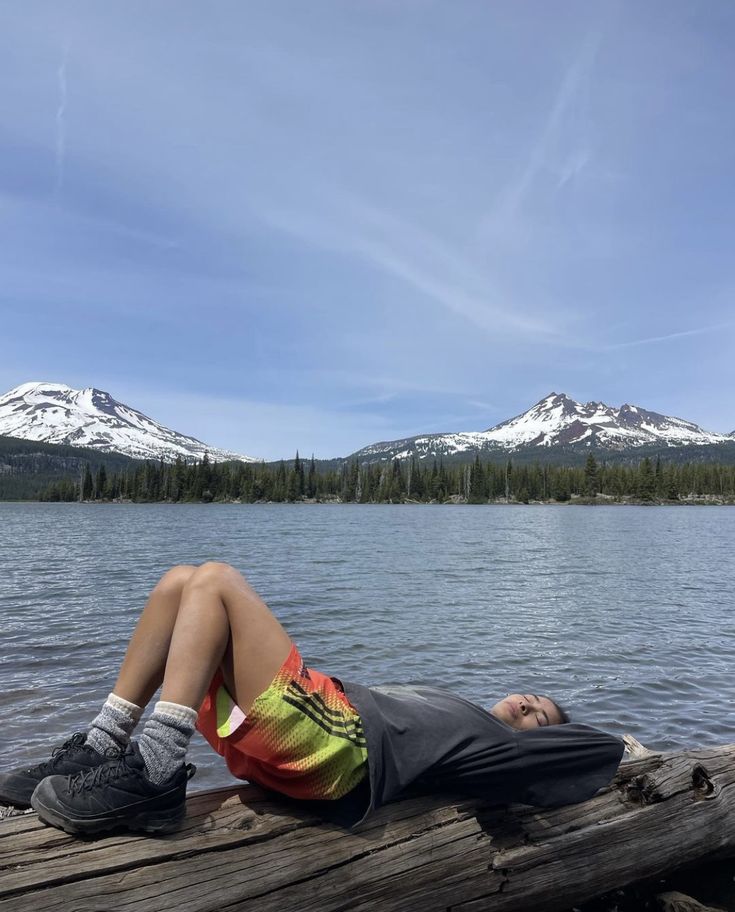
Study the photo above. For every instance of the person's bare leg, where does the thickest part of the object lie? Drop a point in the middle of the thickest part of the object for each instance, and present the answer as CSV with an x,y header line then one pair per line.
x,y
140,676
142,669
141,673
221,620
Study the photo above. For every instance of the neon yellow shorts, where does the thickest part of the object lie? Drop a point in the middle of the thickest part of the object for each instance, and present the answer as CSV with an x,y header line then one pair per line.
x,y
302,736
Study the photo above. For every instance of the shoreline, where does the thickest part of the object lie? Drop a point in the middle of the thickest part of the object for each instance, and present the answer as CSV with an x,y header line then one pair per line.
x,y
704,500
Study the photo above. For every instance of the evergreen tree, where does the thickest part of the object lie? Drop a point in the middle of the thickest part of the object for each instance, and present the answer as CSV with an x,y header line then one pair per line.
x,y
87,483
476,492
278,490
353,480
301,481
646,480
398,483
178,476
418,488
659,478
433,481
292,480
295,484
100,481
311,479
561,487
671,483
591,476
443,485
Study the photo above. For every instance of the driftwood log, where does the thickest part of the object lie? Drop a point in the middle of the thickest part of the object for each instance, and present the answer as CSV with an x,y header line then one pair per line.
x,y
240,850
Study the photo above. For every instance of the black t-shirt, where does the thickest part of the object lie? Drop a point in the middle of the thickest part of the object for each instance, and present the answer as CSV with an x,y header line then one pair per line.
x,y
430,739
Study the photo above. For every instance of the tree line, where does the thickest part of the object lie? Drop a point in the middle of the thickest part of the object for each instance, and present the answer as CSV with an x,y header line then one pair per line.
x,y
396,482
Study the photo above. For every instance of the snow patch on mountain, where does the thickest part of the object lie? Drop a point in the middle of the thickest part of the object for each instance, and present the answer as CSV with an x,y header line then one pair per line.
x,y
556,420
559,419
55,413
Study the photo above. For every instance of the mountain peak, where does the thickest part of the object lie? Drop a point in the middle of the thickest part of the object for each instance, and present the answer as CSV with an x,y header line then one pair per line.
x,y
91,417
553,397
33,386
557,420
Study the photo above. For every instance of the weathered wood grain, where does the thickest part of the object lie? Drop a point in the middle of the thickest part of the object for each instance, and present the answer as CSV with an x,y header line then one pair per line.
x,y
239,850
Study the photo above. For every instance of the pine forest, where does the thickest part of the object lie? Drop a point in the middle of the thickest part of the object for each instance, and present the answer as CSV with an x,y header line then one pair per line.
x,y
649,481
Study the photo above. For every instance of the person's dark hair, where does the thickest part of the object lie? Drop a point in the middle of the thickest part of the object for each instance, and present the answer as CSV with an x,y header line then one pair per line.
x,y
563,714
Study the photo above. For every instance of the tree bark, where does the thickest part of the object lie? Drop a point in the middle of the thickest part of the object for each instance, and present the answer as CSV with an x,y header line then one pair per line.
x,y
240,850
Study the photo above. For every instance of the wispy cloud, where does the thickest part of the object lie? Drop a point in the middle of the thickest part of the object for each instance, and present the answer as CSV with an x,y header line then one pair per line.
x,y
424,262
545,152
574,165
60,122
699,331
376,151
482,406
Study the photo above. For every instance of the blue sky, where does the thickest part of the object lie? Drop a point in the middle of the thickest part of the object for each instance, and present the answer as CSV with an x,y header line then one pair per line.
x,y
318,225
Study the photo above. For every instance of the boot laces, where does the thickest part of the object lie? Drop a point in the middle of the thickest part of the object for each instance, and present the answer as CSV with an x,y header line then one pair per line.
x,y
86,780
76,740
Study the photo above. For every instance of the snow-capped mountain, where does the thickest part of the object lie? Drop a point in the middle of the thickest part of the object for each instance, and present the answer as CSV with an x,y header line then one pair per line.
x,y
55,413
556,421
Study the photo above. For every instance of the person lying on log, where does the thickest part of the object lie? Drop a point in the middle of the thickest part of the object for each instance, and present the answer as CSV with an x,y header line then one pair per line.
x,y
227,667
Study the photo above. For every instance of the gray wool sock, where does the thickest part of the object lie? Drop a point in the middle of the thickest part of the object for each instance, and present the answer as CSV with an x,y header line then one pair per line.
x,y
114,725
165,739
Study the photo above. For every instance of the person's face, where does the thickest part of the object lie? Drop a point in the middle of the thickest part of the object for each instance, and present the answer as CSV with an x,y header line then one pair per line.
x,y
524,711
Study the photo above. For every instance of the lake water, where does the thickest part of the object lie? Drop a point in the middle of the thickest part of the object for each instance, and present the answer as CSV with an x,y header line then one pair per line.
x,y
624,614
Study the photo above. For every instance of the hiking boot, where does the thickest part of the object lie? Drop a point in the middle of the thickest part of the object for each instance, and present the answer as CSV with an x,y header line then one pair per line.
x,y
74,755
116,794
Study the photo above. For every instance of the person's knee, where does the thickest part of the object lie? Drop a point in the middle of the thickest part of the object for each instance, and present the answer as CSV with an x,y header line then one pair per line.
x,y
173,581
212,574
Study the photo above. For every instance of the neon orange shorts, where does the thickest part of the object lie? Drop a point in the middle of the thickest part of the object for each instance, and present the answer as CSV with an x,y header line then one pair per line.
x,y
302,736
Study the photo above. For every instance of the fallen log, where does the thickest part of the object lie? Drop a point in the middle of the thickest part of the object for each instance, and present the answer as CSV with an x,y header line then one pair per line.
x,y
672,901
241,850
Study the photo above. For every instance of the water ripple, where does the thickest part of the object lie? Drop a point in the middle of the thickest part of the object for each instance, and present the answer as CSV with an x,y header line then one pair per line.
x,y
625,615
